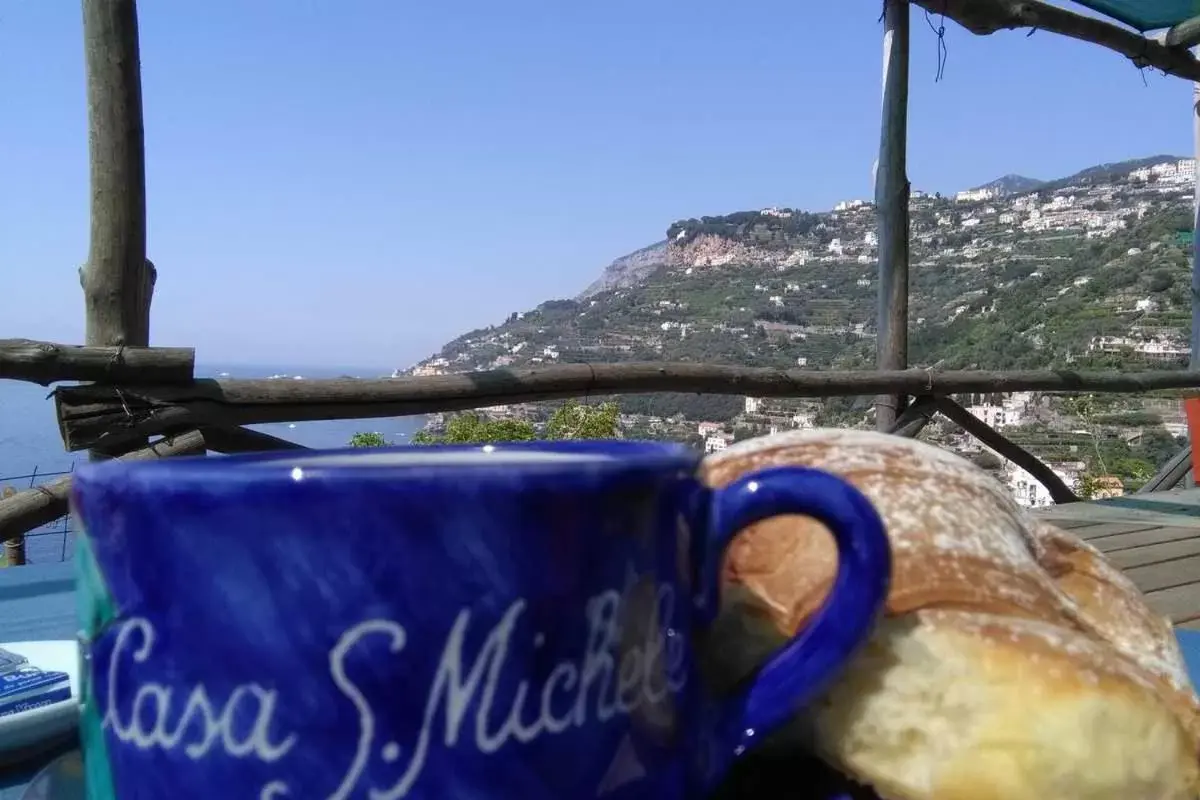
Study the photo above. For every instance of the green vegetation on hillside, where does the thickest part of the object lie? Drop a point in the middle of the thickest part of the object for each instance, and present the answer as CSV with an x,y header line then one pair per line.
x,y
755,227
571,420
1086,272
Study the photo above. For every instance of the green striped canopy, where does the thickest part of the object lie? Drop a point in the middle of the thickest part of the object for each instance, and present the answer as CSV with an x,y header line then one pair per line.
x,y
1146,15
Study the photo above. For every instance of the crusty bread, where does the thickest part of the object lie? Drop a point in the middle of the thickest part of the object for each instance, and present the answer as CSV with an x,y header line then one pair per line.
x,y
1013,661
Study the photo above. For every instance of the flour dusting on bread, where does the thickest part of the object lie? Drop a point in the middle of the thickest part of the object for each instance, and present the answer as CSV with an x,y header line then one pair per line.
x,y
1012,651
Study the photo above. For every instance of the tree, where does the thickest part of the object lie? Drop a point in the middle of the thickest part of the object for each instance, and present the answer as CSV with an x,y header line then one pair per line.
x,y
474,429
573,420
1160,280
368,440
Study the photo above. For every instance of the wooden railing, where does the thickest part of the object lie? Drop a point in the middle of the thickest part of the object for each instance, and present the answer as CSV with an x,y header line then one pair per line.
x,y
187,416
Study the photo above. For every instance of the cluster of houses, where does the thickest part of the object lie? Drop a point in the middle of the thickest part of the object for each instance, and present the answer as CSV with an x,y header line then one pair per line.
x,y
762,416
1017,409
1155,347
1012,410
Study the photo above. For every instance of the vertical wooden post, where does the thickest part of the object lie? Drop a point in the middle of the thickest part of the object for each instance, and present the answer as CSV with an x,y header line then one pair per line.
x,y
891,204
118,281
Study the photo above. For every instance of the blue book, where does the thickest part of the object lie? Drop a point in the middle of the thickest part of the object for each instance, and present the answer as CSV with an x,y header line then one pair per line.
x,y
29,687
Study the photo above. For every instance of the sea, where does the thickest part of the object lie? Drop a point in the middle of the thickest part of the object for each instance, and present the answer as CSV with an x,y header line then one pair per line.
x,y
32,453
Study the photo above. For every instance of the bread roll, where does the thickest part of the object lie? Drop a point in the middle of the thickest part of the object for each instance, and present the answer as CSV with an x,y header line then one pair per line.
x,y
1013,662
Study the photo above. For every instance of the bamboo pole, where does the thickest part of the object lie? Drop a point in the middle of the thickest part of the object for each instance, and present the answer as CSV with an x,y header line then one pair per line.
x,y
891,203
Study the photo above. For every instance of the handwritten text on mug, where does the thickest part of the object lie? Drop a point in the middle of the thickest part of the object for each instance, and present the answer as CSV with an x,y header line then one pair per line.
x,y
609,679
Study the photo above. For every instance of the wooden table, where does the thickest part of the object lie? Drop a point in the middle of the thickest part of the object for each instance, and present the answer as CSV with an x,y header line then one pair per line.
x,y
1153,538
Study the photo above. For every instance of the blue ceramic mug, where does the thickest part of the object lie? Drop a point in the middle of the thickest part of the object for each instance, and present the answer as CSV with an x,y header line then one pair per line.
x,y
508,621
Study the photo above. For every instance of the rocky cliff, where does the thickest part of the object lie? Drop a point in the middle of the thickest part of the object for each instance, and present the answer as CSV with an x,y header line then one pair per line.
x,y
628,270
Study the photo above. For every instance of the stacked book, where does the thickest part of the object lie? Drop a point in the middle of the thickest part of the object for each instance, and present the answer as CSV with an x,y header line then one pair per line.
x,y
24,687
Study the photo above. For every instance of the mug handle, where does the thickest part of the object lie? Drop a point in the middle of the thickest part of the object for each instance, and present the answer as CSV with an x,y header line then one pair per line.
x,y
807,664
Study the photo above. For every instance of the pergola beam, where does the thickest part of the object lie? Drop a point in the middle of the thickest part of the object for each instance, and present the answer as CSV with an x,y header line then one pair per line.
x,y
984,17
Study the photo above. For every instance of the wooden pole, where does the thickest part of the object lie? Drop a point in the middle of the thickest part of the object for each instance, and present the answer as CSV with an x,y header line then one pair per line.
x,y
24,511
1178,468
1194,357
47,363
14,549
118,280
891,203
1194,361
92,415
983,17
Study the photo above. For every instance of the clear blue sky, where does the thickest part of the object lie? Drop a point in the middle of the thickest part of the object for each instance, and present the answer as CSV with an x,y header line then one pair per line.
x,y
360,181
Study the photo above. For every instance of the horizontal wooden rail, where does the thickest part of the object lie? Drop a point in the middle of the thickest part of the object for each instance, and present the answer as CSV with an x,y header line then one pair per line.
x,y
40,505
46,363
988,16
107,416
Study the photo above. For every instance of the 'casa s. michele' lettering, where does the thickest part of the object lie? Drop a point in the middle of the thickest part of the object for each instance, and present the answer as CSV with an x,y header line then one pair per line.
x,y
475,700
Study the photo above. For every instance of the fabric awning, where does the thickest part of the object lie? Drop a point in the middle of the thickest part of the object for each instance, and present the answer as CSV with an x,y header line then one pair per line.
x,y
1146,15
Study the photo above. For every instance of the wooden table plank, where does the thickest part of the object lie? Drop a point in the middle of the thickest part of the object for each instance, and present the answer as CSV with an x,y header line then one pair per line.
x,y
1153,536
1155,554
1179,603
1069,523
1154,539
1176,501
1179,572
1102,529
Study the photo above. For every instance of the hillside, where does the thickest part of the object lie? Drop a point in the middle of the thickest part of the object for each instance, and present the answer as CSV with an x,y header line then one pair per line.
x,y
1017,281
1089,271
1010,184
